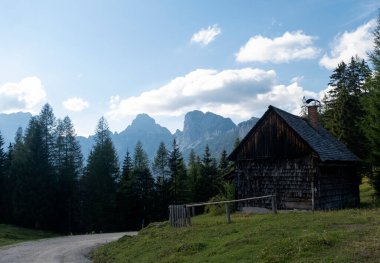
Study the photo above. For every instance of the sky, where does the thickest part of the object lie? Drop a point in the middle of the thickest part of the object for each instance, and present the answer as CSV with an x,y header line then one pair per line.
x,y
117,59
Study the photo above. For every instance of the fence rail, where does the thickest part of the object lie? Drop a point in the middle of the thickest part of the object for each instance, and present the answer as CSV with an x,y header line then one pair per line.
x,y
180,215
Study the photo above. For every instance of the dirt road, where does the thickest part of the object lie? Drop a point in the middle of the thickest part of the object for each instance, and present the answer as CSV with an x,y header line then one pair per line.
x,y
63,249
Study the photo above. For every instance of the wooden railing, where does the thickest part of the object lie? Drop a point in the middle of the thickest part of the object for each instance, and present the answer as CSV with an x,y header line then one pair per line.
x,y
180,215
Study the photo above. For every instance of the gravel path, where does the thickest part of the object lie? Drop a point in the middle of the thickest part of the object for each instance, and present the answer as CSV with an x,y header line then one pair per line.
x,y
62,249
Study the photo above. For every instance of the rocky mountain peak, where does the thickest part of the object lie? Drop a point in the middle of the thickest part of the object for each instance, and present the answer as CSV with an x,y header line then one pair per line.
x,y
143,119
200,129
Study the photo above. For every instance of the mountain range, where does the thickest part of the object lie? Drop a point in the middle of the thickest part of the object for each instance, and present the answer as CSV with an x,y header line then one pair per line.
x,y
199,129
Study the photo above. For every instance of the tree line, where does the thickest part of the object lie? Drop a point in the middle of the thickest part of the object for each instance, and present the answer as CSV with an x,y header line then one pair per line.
x,y
44,183
351,109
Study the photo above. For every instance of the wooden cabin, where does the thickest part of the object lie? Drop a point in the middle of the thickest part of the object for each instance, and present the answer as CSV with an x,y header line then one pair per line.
x,y
297,160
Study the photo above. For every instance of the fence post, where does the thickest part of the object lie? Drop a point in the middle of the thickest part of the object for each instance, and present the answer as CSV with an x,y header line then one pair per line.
x,y
183,216
193,208
177,222
170,215
174,215
228,214
312,196
188,215
274,205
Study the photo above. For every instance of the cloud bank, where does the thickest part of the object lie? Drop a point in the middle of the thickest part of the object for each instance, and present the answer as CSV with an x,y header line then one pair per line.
x,y
290,46
206,36
235,93
75,104
25,96
358,42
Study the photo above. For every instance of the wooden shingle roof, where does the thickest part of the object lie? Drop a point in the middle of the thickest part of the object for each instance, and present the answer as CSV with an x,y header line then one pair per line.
x,y
322,142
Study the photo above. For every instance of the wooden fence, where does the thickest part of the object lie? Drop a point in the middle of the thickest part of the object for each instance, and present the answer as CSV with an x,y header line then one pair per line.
x,y
180,215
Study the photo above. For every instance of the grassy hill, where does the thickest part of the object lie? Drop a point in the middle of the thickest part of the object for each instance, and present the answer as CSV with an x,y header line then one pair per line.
x,y
11,234
337,236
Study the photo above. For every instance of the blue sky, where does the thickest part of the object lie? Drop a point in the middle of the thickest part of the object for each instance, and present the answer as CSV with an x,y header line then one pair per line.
x,y
119,58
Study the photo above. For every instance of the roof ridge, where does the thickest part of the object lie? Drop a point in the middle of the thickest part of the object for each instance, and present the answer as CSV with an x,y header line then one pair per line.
x,y
321,141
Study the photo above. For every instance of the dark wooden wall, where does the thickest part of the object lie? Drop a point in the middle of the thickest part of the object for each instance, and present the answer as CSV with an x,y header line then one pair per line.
x,y
289,179
273,139
338,186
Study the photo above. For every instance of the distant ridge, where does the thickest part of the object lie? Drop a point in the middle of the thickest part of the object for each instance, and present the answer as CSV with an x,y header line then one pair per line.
x,y
9,123
199,129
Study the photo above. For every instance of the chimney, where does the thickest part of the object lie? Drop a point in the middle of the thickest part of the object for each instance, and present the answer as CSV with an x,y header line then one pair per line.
x,y
312,112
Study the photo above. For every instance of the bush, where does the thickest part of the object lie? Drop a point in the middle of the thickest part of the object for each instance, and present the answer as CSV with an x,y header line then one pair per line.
x,y
226,192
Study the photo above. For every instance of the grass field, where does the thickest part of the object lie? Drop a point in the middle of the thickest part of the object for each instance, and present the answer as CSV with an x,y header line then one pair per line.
x,y
337,236
11,234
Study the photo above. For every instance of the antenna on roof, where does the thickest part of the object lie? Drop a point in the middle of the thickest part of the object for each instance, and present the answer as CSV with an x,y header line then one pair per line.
x,y
310,102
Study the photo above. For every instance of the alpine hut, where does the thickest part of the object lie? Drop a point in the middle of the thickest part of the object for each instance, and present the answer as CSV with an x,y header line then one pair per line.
x,y
296,159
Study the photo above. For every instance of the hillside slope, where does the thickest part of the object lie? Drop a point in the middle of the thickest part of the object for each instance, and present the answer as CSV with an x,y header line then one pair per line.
x,y
12,234
338,236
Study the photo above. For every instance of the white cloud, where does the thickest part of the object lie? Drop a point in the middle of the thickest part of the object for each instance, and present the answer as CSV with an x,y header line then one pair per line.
x,y
206,36
75,104
358,42
26,96
290,46
236,93
296,79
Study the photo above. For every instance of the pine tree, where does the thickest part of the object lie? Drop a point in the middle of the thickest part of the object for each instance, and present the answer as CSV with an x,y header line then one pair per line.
x,y
161,171
33,197
375,54
224,164
99,182
125,197
178,177
48,125
69,165
11,175
209,182
372,104
8,186
2,178
143,185
127,168
194,174
343,109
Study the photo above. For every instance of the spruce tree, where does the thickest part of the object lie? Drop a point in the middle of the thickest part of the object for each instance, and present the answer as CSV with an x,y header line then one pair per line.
x,y
373,110
2,178
127,168
12,168
69,165
48,124
125,196
161,171
8,186
194,174
34,195
224,164
343,109
209,182
178,177
99,182
143,186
